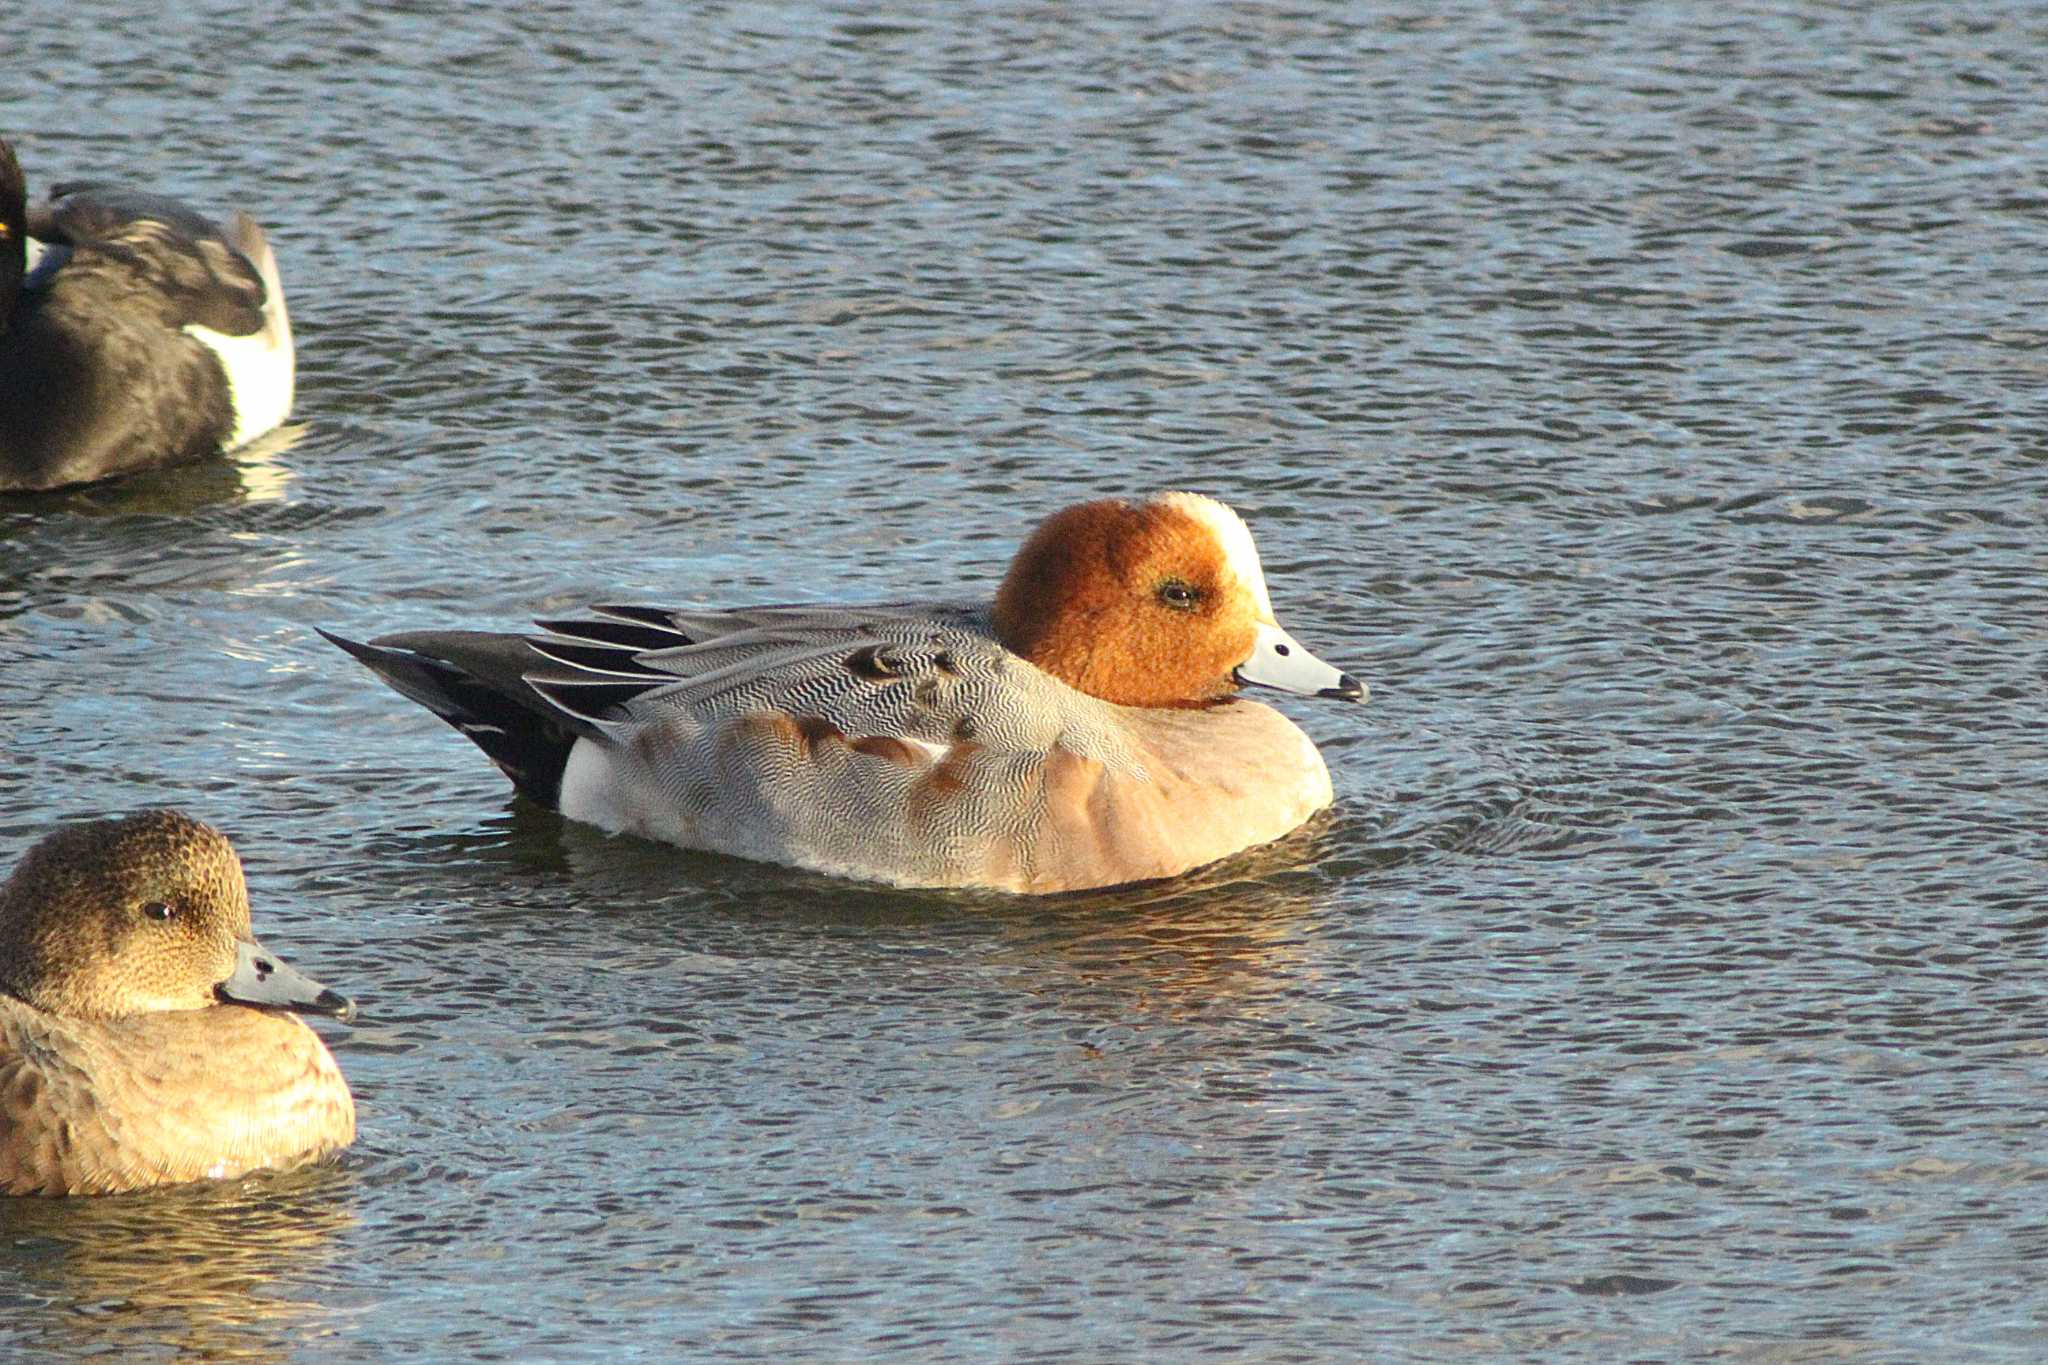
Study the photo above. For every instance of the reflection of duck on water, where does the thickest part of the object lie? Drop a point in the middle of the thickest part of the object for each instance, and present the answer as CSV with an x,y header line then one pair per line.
x,y
255,473
209,1270
1219,938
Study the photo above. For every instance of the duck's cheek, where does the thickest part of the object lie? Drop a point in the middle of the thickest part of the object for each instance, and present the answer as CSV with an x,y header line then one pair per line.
x,y
1228,645
1195,665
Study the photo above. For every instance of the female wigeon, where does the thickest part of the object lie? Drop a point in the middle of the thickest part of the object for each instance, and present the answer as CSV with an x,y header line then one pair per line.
x,y
143,1033
1081,731
144,335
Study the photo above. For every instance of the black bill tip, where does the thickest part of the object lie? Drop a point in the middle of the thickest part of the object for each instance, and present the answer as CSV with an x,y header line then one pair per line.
x,y
1348,688
333,1004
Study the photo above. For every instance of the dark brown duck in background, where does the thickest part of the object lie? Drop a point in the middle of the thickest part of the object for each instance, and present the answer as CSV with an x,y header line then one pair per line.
x,y
133,333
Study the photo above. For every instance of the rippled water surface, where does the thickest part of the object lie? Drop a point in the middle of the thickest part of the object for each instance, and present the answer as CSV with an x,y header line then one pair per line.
x,y
1647,400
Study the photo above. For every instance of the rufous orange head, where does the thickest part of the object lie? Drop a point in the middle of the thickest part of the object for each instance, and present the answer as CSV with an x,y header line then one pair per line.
x,y
1154,603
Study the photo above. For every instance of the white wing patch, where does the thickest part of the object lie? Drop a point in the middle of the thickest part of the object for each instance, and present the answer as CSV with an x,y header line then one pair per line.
x,y
260,374
262,368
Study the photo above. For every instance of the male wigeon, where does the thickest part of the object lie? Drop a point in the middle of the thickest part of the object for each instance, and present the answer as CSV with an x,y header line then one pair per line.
x,y
1081,731
144,1038
143,335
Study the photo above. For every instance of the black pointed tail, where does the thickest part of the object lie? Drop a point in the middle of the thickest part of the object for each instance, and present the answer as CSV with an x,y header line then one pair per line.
x,y
473,680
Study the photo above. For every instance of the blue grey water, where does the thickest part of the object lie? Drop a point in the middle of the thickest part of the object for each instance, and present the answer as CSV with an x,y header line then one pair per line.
x,y
1647,400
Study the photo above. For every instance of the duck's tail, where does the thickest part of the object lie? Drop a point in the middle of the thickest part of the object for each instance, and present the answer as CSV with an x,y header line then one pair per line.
x,y
247,236
475,681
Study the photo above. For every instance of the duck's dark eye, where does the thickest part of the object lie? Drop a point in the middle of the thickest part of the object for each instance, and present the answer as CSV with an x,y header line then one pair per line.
x,y
158,910
1178,595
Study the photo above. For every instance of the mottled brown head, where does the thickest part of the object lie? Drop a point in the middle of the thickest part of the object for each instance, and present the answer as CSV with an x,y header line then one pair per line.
x,y
1155,603
120,917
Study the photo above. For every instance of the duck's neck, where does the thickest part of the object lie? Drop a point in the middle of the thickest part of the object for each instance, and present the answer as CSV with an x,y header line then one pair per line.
x,y
13,233
10,983
1107,675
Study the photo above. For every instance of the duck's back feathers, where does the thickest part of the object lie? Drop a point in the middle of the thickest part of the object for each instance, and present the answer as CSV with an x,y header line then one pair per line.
x,y
525,701
930,673
177,264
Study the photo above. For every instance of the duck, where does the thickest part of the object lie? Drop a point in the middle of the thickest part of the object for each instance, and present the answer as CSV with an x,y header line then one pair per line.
x,y
1083,729
134,333
146,1037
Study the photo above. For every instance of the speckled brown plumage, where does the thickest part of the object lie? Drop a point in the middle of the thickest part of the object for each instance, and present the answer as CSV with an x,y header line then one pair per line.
x,y
119,1066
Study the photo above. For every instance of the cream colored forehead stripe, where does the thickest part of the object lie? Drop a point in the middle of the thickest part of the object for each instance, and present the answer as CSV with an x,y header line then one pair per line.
x,y
1233,535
